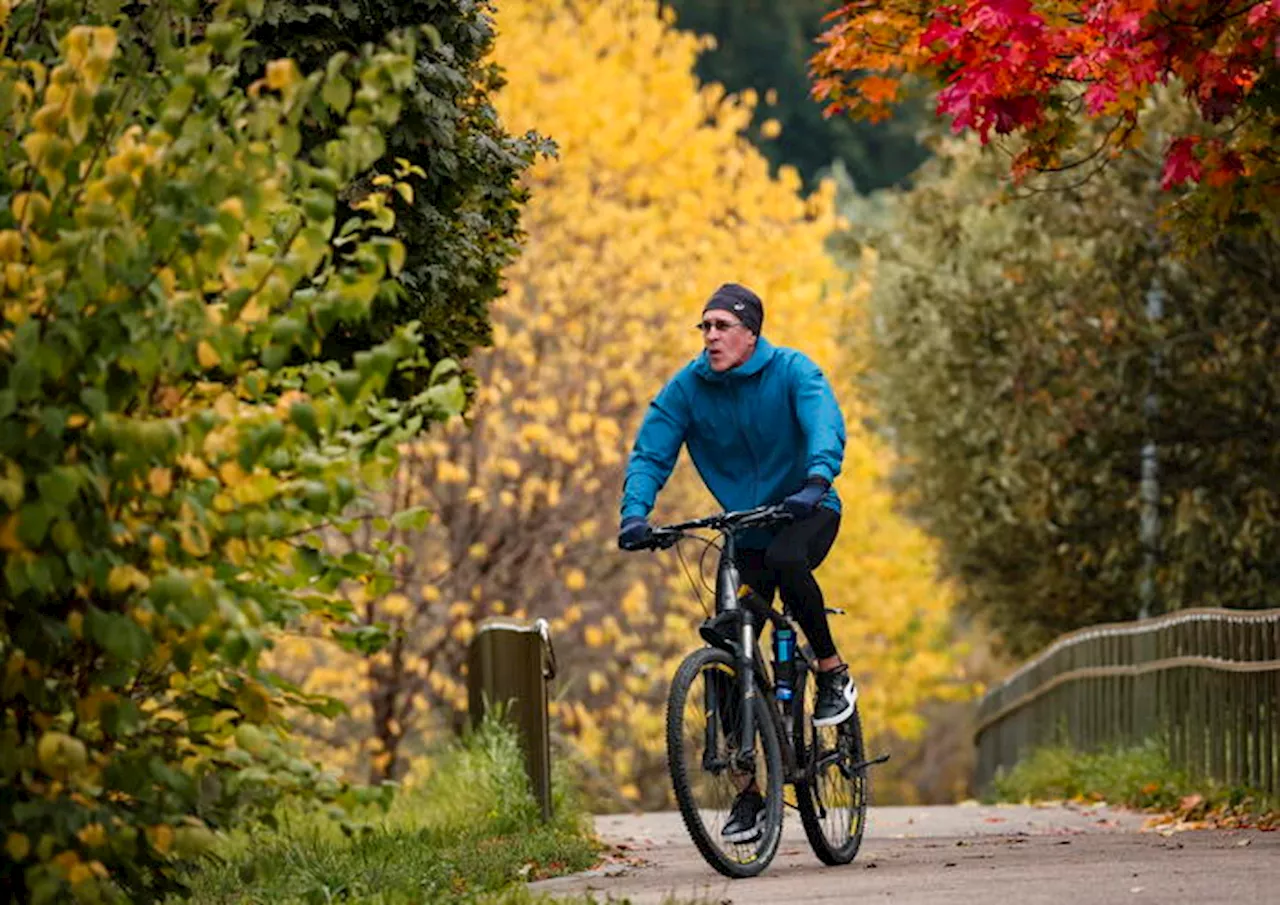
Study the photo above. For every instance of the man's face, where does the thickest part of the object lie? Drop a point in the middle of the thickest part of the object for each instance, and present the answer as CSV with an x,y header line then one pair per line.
x,y
727,341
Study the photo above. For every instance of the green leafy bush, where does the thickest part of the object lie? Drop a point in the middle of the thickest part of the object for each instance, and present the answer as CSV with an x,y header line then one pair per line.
x,y
1019,368
172,435
460,225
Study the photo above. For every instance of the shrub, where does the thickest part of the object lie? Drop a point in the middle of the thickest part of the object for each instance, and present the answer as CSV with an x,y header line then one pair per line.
x,y
170,435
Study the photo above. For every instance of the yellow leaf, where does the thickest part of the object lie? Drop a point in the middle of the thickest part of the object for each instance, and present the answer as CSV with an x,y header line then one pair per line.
x,y
207,355
464,631
593,635
161,481
281,75
237,552
18,846
575,580
30,208
9,534
194,541
160,837
395,605
231,473
10,245
124,578
78,874
93,835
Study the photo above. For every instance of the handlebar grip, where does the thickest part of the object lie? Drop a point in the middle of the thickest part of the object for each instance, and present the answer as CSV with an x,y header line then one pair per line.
x,y
664,540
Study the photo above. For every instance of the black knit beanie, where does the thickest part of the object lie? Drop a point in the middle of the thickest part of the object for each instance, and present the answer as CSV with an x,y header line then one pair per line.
x,y
741,301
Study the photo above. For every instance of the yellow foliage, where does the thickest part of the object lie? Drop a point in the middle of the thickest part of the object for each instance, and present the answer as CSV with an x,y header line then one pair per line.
x,y
17,846
207,355
123,578
394,606
574,580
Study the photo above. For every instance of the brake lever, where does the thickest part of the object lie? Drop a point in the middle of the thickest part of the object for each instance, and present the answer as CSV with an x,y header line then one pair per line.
x,y
665,540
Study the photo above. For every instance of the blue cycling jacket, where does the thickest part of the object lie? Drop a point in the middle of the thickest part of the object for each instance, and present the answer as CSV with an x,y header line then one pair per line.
x,y
754,432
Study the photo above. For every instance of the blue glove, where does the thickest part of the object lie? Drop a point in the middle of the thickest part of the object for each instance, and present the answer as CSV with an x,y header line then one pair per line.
x,y
635,533
802,503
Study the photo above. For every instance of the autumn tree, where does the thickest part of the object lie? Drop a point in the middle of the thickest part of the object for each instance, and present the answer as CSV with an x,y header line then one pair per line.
x,y
172,436
1040,70
1026,354
654,199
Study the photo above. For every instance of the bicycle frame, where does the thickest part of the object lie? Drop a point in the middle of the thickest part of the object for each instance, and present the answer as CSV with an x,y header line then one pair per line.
x,y
752,681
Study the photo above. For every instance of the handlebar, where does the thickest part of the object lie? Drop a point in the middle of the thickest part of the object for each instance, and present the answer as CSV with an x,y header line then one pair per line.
x,y
666,536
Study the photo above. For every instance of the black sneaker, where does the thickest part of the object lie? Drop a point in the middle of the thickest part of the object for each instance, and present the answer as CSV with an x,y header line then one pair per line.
x,y
836,695
746,820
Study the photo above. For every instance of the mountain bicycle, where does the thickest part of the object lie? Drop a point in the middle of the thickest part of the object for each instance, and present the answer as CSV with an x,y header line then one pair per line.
x,y
731,722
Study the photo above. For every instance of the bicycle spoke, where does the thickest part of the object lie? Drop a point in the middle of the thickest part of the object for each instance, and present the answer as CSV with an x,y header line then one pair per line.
x,y
833,802
704,724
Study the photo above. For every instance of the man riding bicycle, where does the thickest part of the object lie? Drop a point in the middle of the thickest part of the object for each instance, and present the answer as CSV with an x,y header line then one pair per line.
x,y
763,427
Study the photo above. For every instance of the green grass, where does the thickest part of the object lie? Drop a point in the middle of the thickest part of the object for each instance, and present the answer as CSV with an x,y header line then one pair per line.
x,y
471,833
1137,777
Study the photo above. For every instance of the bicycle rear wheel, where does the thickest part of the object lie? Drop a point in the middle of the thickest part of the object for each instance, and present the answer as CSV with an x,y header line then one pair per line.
x,y
703,729
832,791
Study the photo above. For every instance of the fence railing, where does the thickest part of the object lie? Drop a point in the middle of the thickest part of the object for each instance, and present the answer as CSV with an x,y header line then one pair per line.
x,y
1204,681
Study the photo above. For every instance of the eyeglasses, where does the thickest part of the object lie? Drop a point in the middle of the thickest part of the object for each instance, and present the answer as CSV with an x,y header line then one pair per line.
x,y
718,326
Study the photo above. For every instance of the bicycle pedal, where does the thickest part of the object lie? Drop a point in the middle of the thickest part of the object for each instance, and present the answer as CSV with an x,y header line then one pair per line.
x,y
835,610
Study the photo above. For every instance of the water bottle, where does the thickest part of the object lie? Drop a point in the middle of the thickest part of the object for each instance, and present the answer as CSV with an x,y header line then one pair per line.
x,y
784,650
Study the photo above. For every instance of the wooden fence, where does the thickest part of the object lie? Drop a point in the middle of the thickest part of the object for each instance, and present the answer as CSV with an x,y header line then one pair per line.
x,y
1204,681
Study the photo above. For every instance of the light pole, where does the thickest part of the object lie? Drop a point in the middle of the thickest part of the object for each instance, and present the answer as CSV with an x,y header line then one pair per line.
x,y
1149,489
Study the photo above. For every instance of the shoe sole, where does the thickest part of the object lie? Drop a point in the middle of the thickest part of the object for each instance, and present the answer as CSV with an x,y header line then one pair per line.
x,y
750,835
850,695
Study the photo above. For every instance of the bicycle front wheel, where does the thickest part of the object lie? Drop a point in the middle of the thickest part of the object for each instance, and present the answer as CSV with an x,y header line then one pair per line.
x,y
708,772
833,788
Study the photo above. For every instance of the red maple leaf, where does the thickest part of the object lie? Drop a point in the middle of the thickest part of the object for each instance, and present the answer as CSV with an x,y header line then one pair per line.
x,y
1181,163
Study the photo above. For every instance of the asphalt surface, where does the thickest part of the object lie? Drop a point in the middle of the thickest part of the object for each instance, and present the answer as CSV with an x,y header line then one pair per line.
x,y
1021,855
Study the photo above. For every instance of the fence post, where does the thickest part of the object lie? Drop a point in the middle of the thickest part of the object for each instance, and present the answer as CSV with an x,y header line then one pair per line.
x,y
509,665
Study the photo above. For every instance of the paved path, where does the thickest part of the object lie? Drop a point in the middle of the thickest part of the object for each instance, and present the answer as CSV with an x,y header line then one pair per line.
x,y
1007,855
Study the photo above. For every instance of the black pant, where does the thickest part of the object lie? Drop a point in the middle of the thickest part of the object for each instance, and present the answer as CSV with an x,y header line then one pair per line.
x,y
787,565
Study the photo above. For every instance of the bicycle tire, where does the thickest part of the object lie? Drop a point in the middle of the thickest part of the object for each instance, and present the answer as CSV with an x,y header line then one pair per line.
x,y
694,785
831,799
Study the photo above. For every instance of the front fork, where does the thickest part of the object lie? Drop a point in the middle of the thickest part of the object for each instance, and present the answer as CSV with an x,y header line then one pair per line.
x,y
747,694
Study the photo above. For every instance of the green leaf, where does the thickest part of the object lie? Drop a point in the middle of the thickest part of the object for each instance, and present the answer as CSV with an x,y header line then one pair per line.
x,y
366,639
117,634
414,519
303,415
59,487
94,400
348,385
337,93
33,521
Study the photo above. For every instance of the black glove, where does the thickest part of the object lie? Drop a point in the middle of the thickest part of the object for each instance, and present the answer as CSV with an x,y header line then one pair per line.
x,y
635,534
802,503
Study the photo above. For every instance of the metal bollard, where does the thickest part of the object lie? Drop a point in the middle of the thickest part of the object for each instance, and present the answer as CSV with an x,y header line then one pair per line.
x,y
509,664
